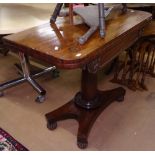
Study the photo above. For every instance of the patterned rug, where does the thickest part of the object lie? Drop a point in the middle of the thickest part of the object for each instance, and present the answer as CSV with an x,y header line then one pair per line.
x,y
8,143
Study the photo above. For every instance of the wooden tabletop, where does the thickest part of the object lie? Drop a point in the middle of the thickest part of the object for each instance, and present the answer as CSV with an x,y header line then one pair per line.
x,y
57,43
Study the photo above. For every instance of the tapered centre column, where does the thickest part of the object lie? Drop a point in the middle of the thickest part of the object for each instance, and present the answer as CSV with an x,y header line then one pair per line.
x,y
89,97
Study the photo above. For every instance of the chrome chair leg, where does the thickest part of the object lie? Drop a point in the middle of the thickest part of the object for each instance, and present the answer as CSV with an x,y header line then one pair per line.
x,y
27,77
101,19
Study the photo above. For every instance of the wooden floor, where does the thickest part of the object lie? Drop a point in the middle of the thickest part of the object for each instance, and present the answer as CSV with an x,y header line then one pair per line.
x,y
122,126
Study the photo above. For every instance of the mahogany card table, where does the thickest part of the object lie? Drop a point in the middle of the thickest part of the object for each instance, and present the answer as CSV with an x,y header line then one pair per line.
x,y
57,44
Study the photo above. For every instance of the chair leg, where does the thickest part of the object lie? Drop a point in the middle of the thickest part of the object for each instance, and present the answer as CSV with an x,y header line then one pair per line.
x,y
101,19
71,14
27,77
25,68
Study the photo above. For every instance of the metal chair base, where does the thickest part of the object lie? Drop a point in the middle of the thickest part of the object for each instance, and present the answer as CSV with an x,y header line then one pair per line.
x,y
27,77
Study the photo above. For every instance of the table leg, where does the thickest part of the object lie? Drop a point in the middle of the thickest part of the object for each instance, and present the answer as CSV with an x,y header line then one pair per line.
x,y
85,107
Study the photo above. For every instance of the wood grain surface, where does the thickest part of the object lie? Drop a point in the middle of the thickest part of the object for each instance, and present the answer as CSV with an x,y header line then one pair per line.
x,y
57,43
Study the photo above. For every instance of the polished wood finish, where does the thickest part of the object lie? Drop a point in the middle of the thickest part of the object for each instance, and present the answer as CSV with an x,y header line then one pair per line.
x,y
85,107
149,31
58,45
71,13
149,7
85,118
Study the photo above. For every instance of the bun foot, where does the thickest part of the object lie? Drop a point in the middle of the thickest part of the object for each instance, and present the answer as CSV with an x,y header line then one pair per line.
x,y
52,125
82,143
120,98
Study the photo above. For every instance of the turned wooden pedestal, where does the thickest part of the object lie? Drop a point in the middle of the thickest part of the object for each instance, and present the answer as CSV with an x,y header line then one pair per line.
x,y
85,107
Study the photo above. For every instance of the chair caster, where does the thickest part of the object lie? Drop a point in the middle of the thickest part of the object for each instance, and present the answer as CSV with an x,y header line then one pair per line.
x,y
40,99
1,94
55,73
82,144
52,125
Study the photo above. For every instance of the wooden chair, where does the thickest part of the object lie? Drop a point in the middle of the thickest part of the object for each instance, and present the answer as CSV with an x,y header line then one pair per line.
x,y
96,20
138,62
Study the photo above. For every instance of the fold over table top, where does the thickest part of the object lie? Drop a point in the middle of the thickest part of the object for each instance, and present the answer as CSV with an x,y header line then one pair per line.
x,y
57,43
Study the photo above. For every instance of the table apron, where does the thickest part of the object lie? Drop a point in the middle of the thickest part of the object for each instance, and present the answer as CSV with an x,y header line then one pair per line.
x,y
117,47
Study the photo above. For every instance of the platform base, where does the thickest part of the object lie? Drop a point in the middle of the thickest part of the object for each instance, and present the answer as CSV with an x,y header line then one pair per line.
x,y
85,117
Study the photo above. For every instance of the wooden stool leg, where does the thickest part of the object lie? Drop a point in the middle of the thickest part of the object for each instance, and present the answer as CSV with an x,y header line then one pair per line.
x,y
71,13
145,66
